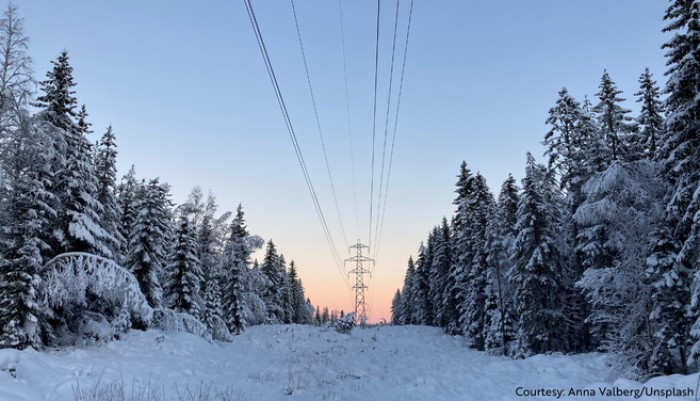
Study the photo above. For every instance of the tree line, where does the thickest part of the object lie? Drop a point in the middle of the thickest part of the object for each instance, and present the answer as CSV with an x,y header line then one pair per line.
x,y
598,248
59,193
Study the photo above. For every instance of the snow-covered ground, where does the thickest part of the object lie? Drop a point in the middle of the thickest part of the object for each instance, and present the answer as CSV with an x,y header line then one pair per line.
x,y
404,363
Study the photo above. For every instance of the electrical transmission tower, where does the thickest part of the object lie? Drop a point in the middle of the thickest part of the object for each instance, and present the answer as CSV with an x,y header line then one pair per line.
x,y
359,272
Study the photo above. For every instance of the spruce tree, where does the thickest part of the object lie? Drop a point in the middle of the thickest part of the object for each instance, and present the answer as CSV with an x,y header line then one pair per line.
x,y
614,122
106,174
681,155
148,240
297,296
273,293
129,192
27,215
58,99
626,199
78,222
444,301
212,315
536,276
396,317
565,141
499,242
182,290
233,267
426,313
650,119
461,254
285,291
407,306
472,294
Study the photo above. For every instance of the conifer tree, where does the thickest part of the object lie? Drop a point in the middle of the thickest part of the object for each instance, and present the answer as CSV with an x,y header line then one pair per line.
x,y
396,317
536,277
650,119
129,191
233,266
285,291
297,295
212,315
58,99
407,305
78,223
424,306
461,253
500,241
182,290
472,294
27,215
148,240
79,216
679,257
106,174
625,198
565,141
614,122
440,246
273,293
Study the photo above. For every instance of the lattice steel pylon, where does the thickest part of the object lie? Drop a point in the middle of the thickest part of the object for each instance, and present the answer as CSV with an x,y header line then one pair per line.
x,y
359,271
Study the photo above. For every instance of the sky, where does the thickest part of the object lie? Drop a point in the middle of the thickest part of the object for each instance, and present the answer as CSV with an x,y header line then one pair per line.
x,y
184,86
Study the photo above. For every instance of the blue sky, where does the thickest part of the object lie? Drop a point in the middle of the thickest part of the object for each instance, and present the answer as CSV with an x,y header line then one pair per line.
x,y
185,88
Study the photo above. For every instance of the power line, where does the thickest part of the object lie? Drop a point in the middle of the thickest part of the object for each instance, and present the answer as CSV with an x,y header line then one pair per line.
x,y
386,124
386,134
318,121
396,122
347,107
374,121
292,135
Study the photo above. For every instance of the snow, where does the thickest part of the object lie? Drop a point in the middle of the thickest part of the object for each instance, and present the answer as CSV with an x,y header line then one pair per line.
x,y
293,362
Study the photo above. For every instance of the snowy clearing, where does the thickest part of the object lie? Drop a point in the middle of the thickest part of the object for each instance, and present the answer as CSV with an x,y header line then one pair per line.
x,y
293,362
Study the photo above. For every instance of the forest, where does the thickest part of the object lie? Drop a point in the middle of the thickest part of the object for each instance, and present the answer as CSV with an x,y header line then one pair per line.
x,y
597,249
84,257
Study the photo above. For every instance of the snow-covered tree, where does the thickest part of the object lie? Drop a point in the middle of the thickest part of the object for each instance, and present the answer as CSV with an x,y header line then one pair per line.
x,y
681,154
566,141
627,199
212,315
536,276
129,192
302,313
76,188
471,241
499,242
651,117
233,266
616,125
182,290
256,284
396,317
457,282
441,250
407,306
274,294
425,313
149,238
27,216
106,174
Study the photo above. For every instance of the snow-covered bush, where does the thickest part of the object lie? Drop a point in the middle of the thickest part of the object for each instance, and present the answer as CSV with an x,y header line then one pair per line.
x,y
345,324
87,296
169,320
